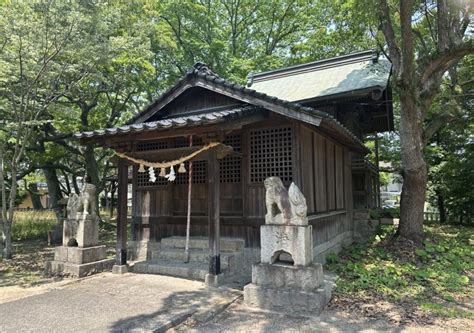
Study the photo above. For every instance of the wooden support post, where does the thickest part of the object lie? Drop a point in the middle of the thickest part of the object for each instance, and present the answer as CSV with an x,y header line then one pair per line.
x,y
214,213
121,254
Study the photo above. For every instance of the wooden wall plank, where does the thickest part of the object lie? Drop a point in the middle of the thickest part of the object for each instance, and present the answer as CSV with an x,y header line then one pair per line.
x,y
331,184
339,177
320,187
306,166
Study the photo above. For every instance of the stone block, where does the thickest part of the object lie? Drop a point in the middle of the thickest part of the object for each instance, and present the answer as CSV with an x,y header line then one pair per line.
x,y
287,301
141,250
119,269
60,253
77,255
308,278
212,280
78,270
85,231
280,239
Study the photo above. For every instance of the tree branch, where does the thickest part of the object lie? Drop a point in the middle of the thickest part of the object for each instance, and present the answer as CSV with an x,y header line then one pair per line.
x,y
387,29
435,124
442,61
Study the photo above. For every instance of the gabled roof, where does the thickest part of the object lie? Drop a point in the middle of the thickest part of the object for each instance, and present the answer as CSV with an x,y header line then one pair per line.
x,y
348,74
201,76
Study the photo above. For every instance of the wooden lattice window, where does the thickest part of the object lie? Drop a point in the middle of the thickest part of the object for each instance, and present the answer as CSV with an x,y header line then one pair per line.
x,y
230,166
153,145
184,142
199,173
270,154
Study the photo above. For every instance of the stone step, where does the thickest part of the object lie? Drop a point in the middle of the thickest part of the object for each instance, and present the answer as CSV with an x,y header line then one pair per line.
x,y
191,270
201,255
226,244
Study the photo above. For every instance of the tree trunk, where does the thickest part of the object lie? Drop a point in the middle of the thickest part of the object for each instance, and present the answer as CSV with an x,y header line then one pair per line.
x,y
54,192
35,197
414,169
3,195
92,171
7,225
55,195
441,207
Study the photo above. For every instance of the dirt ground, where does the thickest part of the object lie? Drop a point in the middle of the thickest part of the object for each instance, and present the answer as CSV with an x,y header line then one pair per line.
x,y
24,276
238,318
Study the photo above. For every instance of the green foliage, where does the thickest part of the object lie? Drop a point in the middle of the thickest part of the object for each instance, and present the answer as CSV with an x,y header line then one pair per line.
x,y
385,212
451,151
33,224
432,278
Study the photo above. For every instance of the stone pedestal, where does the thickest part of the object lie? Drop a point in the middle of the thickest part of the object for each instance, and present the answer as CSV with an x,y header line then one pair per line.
x,y
83,231
288,289
286,280
80,254
79,262
294,240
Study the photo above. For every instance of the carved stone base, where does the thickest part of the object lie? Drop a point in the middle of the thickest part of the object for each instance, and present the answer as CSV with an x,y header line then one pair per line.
x,y
287,240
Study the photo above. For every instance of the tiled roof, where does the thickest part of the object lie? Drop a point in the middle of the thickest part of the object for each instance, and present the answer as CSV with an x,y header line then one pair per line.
x,y
200,74
322,79
175,122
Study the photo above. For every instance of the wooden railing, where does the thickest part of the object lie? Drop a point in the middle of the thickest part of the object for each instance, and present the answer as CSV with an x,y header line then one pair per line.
x,y
431,217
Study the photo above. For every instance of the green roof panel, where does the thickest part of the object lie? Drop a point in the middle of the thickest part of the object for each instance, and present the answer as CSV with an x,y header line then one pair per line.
x,y
341,75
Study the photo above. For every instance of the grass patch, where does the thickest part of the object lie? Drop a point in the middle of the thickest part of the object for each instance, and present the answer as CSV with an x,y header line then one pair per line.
x,y
33,224
436,278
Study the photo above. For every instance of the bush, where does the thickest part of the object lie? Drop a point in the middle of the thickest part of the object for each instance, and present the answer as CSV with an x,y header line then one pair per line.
x,y
385,213
33,224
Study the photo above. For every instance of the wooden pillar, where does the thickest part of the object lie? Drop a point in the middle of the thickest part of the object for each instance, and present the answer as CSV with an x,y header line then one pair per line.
x,y
214,212
121,254
377,164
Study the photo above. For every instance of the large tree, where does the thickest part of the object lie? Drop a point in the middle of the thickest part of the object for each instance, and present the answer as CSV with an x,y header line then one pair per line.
x,y
424,41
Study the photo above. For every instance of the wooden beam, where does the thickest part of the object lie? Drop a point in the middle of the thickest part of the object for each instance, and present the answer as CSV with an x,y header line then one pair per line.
x,y
121,254
214,212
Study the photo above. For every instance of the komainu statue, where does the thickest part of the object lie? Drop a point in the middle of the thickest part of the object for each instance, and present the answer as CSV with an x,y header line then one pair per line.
x,y
84,203
284,206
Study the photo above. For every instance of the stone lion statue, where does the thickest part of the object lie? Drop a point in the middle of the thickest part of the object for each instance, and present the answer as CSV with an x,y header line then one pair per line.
x,y
83,203
291,203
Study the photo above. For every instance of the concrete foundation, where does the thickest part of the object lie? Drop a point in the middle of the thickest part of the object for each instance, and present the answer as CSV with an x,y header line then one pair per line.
x,y
119,269
212,280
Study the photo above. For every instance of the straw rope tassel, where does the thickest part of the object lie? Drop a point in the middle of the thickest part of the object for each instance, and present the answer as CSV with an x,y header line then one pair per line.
x,y
188,216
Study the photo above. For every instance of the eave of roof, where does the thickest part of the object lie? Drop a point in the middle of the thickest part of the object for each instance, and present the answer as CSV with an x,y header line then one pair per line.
x,y
169,123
